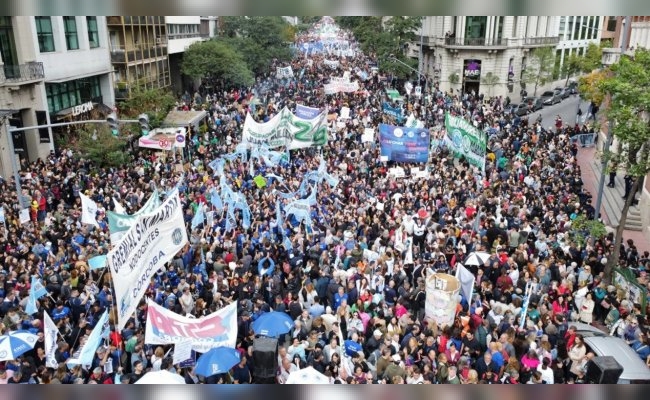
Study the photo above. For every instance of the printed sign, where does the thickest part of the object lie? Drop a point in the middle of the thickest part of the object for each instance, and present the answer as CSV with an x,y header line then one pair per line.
x,y
465,140
403,144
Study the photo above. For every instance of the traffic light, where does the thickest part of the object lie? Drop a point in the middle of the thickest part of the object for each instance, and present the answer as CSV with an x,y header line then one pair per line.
x,y
143,119
113,124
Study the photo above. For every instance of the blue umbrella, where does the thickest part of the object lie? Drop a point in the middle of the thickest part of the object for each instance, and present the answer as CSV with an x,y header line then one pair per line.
x,y
15,344
272,324
217,361
352,347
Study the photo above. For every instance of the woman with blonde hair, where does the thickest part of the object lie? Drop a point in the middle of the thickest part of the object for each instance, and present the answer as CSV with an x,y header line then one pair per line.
x,y
472,377
157,358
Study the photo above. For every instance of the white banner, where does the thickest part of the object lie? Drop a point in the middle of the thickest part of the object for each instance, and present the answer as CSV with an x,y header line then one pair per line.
x,y
466,279
331,63
368,135
49,333
340,85
151,242
286,129
284,72
88,210
218,329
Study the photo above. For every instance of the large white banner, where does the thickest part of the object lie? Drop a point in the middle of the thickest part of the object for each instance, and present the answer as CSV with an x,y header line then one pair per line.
x,y
49,334
286,129
88,210
151,242
218,329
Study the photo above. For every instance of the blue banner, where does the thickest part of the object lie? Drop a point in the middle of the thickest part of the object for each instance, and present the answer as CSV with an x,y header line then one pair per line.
x,y
394,112
404,144
305,112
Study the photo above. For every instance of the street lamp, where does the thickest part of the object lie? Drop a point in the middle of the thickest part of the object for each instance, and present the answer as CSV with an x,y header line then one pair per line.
x,y
426,79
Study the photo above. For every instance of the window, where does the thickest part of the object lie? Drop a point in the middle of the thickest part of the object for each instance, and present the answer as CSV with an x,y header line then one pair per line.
x,y
93,32
72,93
475,27
611,24
44,34
71,38
576,28
8,47
569,30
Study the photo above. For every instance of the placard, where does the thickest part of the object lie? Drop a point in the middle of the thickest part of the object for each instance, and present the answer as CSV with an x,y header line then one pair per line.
x,y
24,216
182,351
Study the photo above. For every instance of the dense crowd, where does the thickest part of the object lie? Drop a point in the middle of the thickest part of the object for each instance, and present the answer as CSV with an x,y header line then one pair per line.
x,y
520,211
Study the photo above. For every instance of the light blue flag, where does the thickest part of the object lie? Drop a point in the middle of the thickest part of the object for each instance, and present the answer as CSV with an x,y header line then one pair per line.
x,y
215,199
178,185
230,156
311,200
287,243
246,217
231,221
217,165
278,217
300,209
199,217
97,262
37,288
2,215
87,352
286,195
274,176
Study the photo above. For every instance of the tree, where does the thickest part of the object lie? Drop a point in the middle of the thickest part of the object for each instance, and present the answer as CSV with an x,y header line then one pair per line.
x,y
583,228
626,85
490,80
571,66
96,143
590,88
216,59
539,69
592,59
156,103
454,78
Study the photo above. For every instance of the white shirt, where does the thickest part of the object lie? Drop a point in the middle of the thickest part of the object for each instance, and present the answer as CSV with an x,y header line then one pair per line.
x,y
547,374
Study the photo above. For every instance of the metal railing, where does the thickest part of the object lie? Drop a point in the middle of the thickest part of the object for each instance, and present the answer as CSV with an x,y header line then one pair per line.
x,y
541,41
475,41
189,35
143,51
22,73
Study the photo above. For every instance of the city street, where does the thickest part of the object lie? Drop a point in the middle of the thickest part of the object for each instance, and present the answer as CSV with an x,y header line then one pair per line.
x,y
567,109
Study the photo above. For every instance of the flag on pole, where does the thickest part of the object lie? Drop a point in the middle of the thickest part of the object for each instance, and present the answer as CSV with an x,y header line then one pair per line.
x,y
87,353
467,280
49,332
199,217
119,209
36,291
89,210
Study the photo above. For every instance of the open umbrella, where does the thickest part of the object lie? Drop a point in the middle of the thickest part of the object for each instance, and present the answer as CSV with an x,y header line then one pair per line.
x,y
307,376
162,377
272,324
15,344
217,361
477,258
352,347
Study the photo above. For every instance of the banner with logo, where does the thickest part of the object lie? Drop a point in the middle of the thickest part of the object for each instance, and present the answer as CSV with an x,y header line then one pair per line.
x,y
49,334
284,72
465,140
218,329
340,87
305,112
118,223
403,144
151,242
286,129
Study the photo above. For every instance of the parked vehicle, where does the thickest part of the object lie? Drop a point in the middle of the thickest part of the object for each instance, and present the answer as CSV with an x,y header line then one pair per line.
x,y
534,103
521,110
550,97
602,344
510,108
562,92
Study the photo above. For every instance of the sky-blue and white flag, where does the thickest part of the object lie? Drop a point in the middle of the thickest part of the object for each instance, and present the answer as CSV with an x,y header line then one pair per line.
x,y
231,221
87,353
215,199
199,217
278,217
36,291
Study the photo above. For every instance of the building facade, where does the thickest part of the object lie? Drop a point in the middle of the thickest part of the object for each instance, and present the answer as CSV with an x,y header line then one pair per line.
x,y
182,32
139,53
54,69
459,51
576,34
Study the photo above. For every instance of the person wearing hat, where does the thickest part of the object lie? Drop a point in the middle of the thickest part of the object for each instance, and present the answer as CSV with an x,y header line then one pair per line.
x,y
395,369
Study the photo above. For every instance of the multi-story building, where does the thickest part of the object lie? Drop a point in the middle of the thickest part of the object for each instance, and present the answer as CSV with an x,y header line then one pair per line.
x,y
139,53
54,69
576,34
459,51
182,32
610,25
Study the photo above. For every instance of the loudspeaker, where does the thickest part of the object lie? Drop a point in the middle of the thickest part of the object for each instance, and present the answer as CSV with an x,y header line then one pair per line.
x,y
265,359
603,370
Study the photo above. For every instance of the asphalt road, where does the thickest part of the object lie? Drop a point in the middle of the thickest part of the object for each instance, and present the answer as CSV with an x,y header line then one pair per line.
x,y
567,109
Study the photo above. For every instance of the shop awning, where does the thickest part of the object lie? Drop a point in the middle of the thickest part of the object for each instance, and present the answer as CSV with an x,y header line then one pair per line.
x,y
184,118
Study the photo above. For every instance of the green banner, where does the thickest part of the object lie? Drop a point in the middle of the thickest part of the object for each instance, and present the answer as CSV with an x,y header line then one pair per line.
x,y
465,140
120,223
626,281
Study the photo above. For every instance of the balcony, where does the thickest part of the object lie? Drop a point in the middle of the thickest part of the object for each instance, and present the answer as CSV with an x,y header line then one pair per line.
x,y
23,73
541,41
457,42
145,51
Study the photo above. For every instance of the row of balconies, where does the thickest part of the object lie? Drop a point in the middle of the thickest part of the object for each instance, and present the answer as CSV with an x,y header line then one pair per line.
x,y
499,43
122,54
137,20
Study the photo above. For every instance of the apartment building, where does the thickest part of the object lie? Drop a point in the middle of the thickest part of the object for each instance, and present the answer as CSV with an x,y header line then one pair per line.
x,y
576,34
182,32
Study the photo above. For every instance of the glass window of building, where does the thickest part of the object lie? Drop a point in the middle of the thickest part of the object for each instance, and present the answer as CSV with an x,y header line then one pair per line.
x,y
72,93
44,34
71,38
475,27
8,47
93,32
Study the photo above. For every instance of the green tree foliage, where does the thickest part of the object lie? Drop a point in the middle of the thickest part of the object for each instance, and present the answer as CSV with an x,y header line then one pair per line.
x,y
385,36
490,80
216,59
583,229
259,40
539,70
592,59
627,87
156,103
95,143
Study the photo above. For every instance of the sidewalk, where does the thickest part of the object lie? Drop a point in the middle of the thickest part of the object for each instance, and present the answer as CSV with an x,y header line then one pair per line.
x,y
585,156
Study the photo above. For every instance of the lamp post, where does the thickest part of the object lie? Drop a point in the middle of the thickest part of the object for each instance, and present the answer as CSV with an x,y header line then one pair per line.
x,y
426,79
601,183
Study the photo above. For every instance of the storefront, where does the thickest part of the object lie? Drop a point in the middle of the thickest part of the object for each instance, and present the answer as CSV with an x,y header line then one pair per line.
x,y
471,76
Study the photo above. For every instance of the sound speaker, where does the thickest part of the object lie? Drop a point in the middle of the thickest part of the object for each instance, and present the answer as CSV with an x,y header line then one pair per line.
x,y
603,370
265,359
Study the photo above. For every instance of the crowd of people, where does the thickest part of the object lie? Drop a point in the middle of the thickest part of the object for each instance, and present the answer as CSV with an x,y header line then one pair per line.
x,y
520,211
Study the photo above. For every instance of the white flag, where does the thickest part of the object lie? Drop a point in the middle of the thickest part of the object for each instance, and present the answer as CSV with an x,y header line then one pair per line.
x,y
50,331
89,210
119,209
466,279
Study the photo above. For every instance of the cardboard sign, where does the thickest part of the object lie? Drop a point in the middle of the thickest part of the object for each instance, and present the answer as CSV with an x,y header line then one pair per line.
x,y
24,216
182,351
259,181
